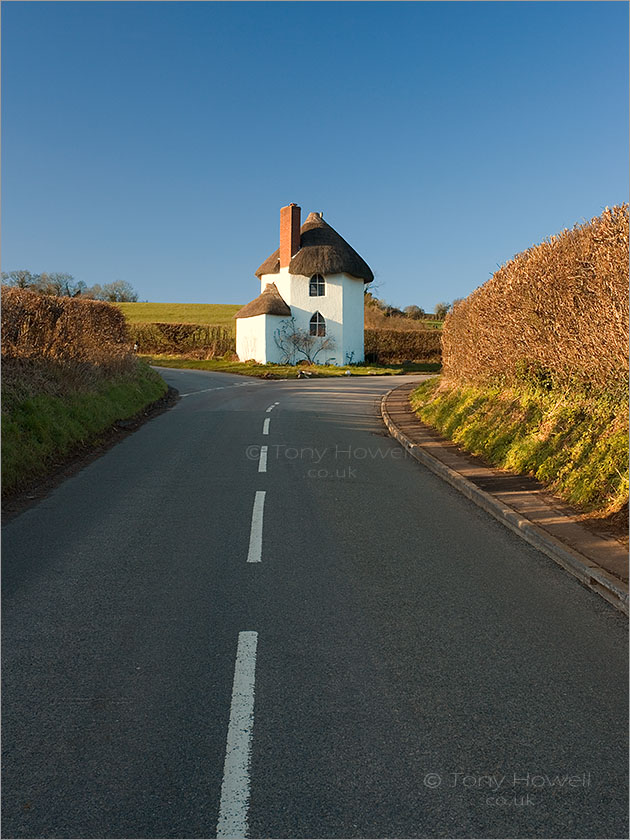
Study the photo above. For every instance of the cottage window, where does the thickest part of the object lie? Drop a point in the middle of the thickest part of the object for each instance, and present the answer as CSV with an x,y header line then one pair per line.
x,y
317,287
318,325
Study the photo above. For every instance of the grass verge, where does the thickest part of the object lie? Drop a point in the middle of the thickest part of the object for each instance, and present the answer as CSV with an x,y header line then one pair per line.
x,y
289,371
574,443
49,411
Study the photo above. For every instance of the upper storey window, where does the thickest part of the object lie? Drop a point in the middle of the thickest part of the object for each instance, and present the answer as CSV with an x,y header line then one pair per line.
x,y
316,286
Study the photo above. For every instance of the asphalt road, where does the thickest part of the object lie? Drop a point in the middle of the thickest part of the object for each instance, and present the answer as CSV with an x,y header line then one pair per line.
x,y
407,667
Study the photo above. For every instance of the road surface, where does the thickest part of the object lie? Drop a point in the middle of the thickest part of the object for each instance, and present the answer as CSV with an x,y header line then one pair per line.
x,y
204,637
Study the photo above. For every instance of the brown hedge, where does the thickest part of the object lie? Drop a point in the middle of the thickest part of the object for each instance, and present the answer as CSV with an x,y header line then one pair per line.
x,y
396,346
210,340
63,329
559,309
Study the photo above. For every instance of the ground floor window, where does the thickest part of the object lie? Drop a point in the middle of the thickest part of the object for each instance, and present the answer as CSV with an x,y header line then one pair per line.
x,y
318,325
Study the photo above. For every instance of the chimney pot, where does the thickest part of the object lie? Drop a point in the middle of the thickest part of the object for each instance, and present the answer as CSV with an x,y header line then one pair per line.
x,y
289,233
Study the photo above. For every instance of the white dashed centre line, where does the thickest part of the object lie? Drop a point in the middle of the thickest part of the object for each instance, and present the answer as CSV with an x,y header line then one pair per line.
x,y
271,407
254,554
262,463
234,807
266,426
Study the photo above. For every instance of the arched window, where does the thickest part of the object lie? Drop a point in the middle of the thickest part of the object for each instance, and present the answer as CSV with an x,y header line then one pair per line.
x,y
318,325
316,286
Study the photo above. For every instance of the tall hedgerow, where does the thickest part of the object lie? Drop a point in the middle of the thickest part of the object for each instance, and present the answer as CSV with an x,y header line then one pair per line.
x,y
536,367
558,312
209,340
63,329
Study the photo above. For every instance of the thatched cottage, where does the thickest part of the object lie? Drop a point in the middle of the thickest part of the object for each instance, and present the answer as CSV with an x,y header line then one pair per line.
x,y
311,301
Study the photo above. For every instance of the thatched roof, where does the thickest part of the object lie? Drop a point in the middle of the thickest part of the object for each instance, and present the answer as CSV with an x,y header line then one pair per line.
x,y
322,251
270,302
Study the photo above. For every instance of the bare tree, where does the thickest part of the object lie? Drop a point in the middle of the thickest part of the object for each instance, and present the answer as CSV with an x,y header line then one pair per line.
x,y
292,340
442,310
56,284
21,279
60,284
120,291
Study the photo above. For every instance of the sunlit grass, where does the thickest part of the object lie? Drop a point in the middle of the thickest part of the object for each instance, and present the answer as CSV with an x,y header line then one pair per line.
x,y
288,371
575,443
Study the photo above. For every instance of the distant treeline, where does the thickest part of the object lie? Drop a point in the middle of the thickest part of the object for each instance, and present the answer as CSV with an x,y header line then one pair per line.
x,y
60,284
377,306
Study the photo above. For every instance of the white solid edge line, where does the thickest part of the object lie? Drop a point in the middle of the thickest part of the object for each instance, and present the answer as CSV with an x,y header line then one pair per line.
x,y
203,391
255,535
234,806
266,425
262,463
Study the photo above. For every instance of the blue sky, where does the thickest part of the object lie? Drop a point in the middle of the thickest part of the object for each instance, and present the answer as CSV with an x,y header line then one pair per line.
x,y
155,142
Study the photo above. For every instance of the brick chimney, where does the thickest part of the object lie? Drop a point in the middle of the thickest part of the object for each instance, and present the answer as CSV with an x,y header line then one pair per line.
x,y
289,233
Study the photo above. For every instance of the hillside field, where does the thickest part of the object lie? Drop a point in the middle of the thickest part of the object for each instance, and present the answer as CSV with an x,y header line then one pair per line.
x,y
222,315
216,314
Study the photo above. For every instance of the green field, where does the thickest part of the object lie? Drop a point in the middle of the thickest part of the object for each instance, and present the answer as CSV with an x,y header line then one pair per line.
x,y
219,314
222,315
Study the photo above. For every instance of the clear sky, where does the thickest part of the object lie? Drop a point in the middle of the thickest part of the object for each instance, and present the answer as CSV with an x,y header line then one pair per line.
x,y
155,142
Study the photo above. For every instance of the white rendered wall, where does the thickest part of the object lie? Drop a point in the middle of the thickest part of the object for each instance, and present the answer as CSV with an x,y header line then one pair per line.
x,y
251,338
353,324
329,305
273,353
255,338
341,306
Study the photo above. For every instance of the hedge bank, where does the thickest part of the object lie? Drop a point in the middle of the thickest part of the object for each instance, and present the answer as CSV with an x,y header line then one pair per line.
x,y
68,374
